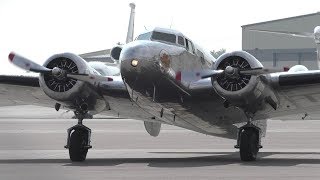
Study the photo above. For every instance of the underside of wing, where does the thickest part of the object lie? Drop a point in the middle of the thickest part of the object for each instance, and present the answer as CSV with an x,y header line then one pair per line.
x,y
17,90
298,93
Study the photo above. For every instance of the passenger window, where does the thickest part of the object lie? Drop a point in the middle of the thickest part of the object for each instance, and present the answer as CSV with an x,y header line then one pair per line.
x,y
181,40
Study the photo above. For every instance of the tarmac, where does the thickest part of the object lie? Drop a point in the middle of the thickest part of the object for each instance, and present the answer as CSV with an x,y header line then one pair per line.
x,y
32,140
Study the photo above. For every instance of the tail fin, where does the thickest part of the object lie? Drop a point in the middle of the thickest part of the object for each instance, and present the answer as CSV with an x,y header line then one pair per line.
x,y
131,23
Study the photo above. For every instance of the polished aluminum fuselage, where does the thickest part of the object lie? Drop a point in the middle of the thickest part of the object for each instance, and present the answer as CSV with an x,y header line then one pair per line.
x,y
158,91
166,98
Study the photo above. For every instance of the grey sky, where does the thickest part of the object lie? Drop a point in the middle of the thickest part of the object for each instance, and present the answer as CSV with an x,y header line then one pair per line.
x,y
40,28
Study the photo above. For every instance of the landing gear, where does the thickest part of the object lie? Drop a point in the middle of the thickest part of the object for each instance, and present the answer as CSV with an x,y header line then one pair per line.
x,y
78,141
249,142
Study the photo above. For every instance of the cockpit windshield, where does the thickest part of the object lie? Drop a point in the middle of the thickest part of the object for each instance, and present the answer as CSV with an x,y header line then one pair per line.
x,y
144,36
171,38
164,36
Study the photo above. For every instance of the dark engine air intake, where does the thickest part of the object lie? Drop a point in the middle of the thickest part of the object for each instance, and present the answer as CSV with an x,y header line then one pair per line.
x,y
115,53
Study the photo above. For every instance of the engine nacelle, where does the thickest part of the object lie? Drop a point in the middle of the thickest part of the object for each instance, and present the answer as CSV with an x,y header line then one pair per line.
x,y
298,68
63,89
115,53
241,90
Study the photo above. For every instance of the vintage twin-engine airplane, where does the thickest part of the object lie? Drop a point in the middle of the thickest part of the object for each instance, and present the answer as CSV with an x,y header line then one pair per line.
x,y
167,79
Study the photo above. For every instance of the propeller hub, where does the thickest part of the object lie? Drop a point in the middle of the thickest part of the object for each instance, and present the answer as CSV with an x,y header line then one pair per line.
x,y
58,73
232,79
231,72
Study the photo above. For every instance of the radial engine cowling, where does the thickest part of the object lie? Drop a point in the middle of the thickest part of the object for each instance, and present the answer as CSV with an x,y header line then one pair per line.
x,y
63,88
239,89
115,53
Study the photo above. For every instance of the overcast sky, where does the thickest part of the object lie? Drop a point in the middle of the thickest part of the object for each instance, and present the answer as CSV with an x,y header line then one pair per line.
x,y
39,28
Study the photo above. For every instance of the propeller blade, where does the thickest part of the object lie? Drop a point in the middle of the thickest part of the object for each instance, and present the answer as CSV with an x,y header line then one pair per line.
x,y
91,78
27,64
212,73
259,71
296,34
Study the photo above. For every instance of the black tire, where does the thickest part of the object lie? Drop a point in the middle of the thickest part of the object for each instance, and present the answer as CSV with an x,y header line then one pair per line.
x,y
249,145
78,141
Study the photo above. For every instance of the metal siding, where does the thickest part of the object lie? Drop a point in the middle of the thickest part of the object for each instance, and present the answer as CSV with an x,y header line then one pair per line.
x,y
286,57
252,40
275,50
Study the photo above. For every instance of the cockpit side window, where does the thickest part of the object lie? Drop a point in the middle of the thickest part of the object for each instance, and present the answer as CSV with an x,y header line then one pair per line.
x,y
201,56
189,46
171,38
181,40
145,36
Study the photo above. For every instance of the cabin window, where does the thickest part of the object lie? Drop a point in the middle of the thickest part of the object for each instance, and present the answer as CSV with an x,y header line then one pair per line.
x,y
171,38
181,40
145,36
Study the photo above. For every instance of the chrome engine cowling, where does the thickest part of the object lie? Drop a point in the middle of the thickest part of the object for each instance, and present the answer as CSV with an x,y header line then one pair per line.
x,y
241,90
63,89
298,68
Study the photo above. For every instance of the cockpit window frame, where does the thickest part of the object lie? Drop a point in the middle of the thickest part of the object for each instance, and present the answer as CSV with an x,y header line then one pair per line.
x,y
162,40
183,39
188,44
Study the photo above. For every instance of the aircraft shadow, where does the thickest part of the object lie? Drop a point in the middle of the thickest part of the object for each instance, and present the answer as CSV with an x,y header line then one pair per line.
x,y
205,159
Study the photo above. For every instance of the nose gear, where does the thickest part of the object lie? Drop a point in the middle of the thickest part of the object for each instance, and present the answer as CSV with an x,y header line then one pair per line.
x,y
249,141
79,136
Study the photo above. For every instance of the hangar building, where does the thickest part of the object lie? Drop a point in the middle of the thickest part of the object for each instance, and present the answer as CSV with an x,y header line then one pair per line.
x,y
277,50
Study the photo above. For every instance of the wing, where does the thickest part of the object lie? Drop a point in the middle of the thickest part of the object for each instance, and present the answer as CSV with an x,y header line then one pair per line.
x,y
18,90
298,92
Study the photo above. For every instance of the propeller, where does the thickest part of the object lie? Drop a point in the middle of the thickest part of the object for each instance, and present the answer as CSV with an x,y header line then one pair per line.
x,y
212,73
56,72
27,64
232,71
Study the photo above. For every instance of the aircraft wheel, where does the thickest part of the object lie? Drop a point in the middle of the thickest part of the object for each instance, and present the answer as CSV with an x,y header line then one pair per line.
x,y
249,144
78,145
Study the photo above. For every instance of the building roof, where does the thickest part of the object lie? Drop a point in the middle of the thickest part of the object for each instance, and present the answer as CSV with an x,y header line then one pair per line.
x,y
283,19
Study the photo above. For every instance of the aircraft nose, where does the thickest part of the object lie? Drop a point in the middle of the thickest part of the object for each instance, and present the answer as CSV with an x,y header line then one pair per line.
x,y
136,51
139,61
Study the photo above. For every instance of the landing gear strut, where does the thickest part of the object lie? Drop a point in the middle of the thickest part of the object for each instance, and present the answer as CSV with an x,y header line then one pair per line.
x,y
79,137
249,142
